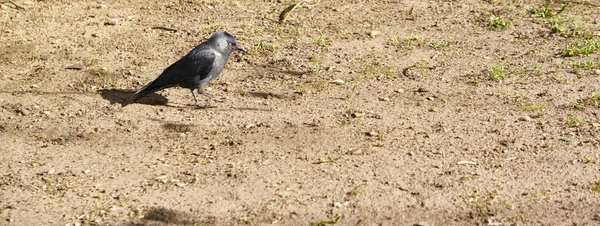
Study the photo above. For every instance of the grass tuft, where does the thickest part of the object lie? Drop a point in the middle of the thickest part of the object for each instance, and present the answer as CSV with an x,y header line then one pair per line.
x,y
585,47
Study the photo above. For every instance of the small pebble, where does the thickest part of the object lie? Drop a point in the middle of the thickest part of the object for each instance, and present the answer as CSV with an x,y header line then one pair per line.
x,y
431,98
75,66
355,152
372,34
526,118
51,171
466,163
112,22
338,82
399,90
371,133
357,114
86,171
384,99
23,112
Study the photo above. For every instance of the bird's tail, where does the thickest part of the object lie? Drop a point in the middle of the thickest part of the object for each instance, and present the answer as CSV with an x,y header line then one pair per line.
x,y
150,88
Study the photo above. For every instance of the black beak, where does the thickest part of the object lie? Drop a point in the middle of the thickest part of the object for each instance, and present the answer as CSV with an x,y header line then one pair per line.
x,y
240,48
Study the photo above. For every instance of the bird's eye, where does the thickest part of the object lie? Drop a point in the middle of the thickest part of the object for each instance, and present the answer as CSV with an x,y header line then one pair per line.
x,y
230,44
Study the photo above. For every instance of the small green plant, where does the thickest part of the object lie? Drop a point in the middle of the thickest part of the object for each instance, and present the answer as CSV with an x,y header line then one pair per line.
x,y
572,121
533,107
344,35
439,44
497,73
315,59
323,41
590,64
556,28
546,12
585,47
376,70
537,70
213,2
576,64
593,100
103,78
406,43
315,86
595,187
326,222
543,12
499,23
265,46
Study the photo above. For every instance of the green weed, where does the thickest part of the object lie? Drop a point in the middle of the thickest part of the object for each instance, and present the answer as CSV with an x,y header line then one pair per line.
x,y
585,47
326,222
406,43
344,35
595,187
572,121
439,44
533,107
323,41
376,70
497,73
499,23
543,12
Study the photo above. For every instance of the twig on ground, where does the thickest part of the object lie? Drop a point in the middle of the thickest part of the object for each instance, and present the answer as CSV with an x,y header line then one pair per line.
x,y
164,28
14,4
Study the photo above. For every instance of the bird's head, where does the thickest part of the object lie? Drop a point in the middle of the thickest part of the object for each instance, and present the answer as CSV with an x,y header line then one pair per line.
x,y
227,42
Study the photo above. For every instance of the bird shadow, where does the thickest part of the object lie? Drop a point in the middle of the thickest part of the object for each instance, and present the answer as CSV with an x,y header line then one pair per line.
x,y
268,95
175,127
125,97
166,216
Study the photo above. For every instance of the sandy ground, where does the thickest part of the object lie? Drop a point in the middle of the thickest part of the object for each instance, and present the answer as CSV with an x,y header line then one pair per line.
x,y
451,113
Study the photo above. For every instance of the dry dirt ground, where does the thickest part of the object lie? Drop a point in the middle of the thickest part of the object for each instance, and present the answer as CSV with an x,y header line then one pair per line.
x,y
451,113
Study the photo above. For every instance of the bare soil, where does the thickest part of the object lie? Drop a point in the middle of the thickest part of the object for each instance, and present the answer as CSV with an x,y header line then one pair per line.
x,y
465,112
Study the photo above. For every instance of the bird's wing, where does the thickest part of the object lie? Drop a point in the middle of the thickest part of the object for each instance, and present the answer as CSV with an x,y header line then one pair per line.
x,y
201,63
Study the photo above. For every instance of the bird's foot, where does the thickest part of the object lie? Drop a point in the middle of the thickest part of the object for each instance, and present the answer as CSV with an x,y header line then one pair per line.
x,y
209,96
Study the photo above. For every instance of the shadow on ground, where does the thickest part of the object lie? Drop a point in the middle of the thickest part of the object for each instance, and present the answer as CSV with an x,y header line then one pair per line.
x,y
125,97
176,127
268,95
166,216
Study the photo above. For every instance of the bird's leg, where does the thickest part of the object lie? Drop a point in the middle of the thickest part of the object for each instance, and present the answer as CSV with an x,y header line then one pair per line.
x,y
195,99
209,96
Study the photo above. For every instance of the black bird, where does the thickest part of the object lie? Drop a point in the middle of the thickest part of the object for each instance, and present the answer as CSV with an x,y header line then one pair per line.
x,y
196,69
